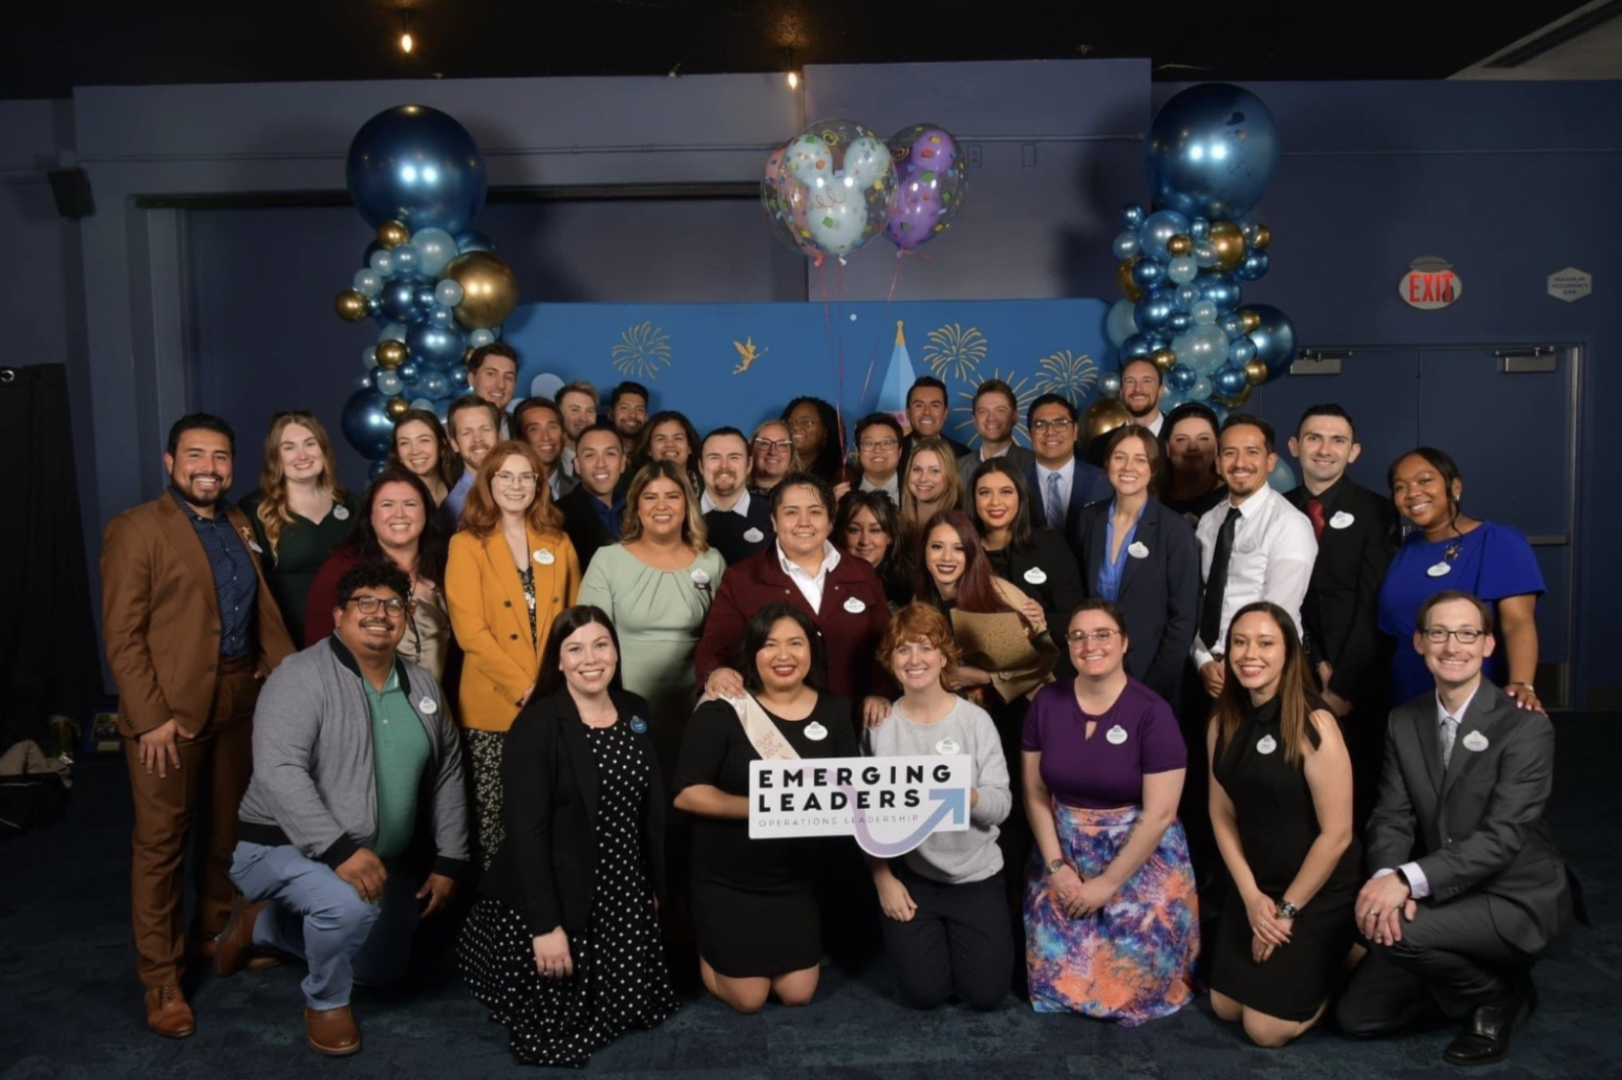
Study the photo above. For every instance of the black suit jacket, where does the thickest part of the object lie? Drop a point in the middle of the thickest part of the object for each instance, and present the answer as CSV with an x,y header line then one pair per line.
x,y
547,864
584,525
1476,828
1340,612
1045,570
1159,593
728,530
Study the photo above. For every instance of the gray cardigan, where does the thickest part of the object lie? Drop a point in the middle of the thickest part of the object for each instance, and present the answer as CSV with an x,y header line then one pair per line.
x,y
314,780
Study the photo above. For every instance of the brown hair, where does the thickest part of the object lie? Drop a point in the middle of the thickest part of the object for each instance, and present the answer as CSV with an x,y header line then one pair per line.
x,y
977,586
920,622
273,513
481,515
1292,687
447,456
1151,449
1448,596
694,532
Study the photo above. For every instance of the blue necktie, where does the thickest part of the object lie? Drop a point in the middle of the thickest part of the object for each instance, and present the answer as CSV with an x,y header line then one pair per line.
x,y
1055,504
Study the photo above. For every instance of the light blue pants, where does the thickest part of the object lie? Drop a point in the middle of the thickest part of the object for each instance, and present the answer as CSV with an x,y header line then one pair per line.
x,y
314,913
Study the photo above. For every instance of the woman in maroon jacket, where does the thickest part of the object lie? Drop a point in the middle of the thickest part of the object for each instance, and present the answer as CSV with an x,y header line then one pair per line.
x,y
843,596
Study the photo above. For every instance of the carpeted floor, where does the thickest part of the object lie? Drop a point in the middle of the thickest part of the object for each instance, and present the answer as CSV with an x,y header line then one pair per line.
x,y
70,1006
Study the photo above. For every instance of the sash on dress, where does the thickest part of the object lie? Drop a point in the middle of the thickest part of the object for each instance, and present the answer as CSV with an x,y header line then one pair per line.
x,y
760,731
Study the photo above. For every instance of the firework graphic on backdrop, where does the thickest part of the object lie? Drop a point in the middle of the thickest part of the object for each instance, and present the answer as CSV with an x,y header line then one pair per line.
x,y
1025,392
642,351
955,352
1072,377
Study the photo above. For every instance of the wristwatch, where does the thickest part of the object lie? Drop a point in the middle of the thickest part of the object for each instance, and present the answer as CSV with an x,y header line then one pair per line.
x,y
1054,866
1287,910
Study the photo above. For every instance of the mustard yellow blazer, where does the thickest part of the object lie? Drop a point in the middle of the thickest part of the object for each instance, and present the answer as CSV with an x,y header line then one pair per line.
x,y
491,619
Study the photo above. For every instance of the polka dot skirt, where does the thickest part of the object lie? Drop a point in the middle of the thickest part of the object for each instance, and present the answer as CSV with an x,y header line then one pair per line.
x,y
620,980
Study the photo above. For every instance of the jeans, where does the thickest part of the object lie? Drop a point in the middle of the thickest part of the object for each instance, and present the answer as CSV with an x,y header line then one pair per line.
x,y
314,913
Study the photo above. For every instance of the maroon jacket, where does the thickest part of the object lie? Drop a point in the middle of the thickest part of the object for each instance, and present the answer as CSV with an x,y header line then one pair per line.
x,y
852,637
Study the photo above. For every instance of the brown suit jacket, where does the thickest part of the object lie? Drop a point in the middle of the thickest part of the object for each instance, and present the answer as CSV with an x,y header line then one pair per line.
x,y
161,617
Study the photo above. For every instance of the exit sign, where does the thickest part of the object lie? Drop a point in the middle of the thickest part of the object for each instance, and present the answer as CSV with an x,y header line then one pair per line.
x,y
1430,283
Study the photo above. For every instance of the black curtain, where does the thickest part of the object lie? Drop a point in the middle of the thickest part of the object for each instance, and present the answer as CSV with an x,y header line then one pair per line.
x,y
47,627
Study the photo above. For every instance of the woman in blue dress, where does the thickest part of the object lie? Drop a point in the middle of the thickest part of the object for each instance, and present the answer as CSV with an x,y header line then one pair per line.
x,y
1450,550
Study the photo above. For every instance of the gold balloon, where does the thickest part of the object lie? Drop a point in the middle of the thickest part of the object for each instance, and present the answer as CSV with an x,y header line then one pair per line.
x,y
1263,237
1180,245
1256,372
1229,243
391,234
351,305
396,407
1164,359
1103,416
1237,400
391,353
489,289
1252,319
1123,277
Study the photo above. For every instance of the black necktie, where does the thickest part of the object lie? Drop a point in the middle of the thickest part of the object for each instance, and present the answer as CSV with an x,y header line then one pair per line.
x,y
1217,584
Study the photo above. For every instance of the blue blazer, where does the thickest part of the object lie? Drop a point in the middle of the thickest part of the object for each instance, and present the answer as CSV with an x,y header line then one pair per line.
x,y
1087,485
1159,593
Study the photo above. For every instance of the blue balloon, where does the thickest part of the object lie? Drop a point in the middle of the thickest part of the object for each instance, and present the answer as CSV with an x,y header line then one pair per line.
x,y
1241,350
399,301
1274,340
381,263
367,425
363,382
393,332
1160,228
1148,273
1137,345
1254,266
1118,325
409,373
417,166
437,347
1229,381
1282,478
441,316
1133,215
1232,324
1152,311
1181,377
448,292
1187,295
435,385
435,247
368,283
1211,151
1126,245
1182,269
1179,322
387,382
1205,254
1204,312
1201,390
1109,384
484,336
1199,228
406,259
375,469
473,240
1222,291
425,297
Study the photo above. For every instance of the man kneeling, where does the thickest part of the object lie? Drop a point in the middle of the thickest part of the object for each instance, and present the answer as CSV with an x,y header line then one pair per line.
x,y
347,738
1468,889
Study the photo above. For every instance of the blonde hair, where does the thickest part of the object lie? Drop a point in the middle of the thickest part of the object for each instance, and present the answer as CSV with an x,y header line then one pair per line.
x,y
273,514
480,514
954,483
694,532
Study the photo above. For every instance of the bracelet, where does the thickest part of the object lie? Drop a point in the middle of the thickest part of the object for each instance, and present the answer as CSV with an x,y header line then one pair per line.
x,y
1528,686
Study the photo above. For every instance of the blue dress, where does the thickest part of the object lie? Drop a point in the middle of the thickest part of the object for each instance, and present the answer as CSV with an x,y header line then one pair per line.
x,y
1492,562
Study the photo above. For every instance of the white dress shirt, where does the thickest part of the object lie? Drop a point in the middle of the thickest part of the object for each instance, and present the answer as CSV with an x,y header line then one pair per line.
x,y
1067,477
810,587
741,507
1273,551
1154,425
891,487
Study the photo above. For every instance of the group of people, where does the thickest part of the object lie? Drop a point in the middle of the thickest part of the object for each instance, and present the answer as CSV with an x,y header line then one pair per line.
x,y
539,653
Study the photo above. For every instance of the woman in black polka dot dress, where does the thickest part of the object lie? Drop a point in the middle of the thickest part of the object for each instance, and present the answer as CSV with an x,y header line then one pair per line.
x,y
564,947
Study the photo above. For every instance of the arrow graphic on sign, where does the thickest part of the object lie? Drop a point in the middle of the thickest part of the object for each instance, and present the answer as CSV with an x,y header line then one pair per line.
x,y
954,803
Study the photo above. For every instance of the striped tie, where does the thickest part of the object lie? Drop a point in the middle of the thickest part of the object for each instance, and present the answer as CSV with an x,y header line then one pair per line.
x,y
1055,504
1450,732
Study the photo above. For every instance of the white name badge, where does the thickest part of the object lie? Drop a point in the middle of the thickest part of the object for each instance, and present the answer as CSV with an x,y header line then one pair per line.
x,y
855,606
1137,550
545,557
753,535
815,731
1341,520
1267,745
253,545
1116,735
946,746
1441,569
1036,575
341,513
427,707
700,578
1246,546
1475,742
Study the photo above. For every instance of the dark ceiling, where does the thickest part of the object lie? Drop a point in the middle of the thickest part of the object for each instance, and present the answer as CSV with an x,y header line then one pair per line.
x,y
48,48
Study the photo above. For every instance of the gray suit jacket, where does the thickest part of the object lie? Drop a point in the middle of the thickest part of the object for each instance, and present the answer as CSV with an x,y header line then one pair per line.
x,y
1478,827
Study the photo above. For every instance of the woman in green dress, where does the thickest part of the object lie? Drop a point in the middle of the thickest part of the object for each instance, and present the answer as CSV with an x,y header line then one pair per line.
x,y
299,513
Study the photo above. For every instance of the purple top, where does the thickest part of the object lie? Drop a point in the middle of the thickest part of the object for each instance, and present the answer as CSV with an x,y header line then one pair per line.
x,y
1137,735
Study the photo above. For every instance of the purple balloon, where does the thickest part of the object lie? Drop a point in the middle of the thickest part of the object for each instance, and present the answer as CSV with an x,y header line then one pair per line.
x,y
930,182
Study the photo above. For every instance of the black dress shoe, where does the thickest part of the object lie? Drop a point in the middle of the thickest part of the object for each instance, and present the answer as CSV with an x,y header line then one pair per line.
x,y
1485,1039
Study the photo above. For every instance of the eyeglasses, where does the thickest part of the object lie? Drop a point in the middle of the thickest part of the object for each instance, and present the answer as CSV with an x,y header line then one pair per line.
x,y
368,605
1061,425
805,423
1098,637
523,479
1438,635
881,444
782,446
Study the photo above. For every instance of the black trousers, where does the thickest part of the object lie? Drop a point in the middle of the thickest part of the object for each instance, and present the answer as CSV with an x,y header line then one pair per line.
x,y
1450,959
958,943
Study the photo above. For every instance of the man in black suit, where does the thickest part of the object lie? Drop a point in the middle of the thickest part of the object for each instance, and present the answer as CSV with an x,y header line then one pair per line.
x,y
1060,482
1468,889
594,510
739,523
1357,539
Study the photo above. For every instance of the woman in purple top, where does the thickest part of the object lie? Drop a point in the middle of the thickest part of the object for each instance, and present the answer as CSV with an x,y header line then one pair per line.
x,y
1111,918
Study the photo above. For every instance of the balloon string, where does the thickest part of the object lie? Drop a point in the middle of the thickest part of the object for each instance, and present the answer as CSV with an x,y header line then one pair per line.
x,y
873,358
839,399
828,321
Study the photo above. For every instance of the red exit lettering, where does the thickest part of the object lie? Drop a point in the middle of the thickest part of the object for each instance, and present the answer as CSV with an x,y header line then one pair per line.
x,y
1430,288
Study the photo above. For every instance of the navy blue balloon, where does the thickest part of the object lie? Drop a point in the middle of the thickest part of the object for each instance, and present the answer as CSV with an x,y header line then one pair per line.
x,y
473,240
1232,325
1229,381
1152,311
1148,273
1181,377
375,469
1241,350
1221,290
1137,345
425,298
367,425
1274,340
1133,215
409,372
436,346
1211,151
1157,340
1179,322
398,301
417,166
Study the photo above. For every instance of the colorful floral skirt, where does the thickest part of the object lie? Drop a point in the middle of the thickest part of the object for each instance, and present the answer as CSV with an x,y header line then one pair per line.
x,y
1130,961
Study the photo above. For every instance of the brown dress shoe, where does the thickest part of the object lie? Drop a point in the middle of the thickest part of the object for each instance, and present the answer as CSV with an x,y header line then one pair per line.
x,y
234,948
168,1014
203,950
332,1031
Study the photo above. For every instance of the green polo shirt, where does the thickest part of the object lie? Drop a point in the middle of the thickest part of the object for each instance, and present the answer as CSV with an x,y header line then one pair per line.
x,y
399,755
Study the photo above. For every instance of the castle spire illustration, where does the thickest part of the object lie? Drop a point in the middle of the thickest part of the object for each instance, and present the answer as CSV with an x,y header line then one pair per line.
x,y
898,379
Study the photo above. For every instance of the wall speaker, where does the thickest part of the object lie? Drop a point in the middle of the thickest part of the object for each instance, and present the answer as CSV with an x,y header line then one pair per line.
x,y
71,190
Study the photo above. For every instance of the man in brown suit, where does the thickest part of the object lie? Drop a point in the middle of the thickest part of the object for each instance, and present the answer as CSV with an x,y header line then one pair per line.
x,y
191,630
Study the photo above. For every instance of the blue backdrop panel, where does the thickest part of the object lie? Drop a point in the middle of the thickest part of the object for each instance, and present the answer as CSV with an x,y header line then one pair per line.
x,y
741,363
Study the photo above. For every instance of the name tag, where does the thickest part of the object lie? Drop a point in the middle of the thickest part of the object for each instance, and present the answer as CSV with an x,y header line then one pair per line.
x,y
341,513
1267,745
427,707
1341,520
815,731
1116,735
753,535
1137,550
855,606
1036,575
946,746
1440,569
1475,742
545,557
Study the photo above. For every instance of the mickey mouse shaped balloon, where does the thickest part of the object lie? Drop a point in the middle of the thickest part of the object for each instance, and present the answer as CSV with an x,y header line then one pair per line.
x,y
844,181
930,185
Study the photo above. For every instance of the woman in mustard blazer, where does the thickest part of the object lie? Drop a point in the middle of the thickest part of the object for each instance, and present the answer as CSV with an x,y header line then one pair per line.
x,y
510,572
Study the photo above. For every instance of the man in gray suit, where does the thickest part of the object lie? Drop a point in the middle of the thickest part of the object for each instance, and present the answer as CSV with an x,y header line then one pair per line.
x,y
1468,889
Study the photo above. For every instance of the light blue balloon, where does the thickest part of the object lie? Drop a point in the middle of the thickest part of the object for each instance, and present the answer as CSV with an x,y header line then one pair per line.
x,y
1182,269
1127,245
1233,325
1187,296
368,357
480,338
448,292
1205,254
387,382
368,283
1282,478
1119,325
1204,312
393,332
441,316
1204,348
1241,350
406,259
382,263
423,404
363,382
1109,384
1201,390
1161,226
435,248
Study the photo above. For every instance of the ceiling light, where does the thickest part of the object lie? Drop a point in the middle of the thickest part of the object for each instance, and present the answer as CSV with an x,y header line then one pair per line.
x,y
407,42
794,80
